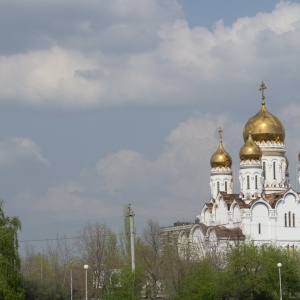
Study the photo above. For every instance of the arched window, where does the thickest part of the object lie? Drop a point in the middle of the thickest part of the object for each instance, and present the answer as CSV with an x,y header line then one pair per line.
x,y
226,186
285,220
289,219
256,182
259,228
264,169
218,186
293,220
274,170
248,182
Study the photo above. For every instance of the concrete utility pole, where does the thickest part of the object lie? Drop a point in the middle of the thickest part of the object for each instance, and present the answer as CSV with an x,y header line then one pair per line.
x,y
131,216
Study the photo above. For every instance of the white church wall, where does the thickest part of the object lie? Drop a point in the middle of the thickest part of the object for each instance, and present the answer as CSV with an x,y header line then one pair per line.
x,y
251,181
236,213
274,171
197,242
288,221
206,217
183,245
220,182
222,216
260,224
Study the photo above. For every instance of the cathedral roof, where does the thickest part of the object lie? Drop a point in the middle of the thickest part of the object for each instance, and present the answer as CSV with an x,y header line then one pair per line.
x,y
273,198
229,198
231,233
264,126
221,158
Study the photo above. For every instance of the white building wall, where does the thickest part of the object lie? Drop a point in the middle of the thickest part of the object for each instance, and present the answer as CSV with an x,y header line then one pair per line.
x,y
221,212
274,166
236,214
288,218
251,179
221,181
260,222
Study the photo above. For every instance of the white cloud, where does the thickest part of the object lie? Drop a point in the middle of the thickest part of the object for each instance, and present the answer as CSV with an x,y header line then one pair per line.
x,y
177,180
180,172
144,53
62,198
47,78
18,148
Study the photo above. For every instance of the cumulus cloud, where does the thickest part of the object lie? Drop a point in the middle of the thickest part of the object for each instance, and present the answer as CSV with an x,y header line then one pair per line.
x,y
112,53
16,149
62,197
179,175
177,181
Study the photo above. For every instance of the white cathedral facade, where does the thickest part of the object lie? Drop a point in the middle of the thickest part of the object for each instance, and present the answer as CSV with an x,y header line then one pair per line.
x,y
266,211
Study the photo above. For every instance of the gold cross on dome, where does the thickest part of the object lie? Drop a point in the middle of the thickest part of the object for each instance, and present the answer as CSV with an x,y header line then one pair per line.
x,y
262,88
220,132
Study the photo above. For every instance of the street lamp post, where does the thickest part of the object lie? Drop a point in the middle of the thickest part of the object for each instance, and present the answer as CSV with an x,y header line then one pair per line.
x,y
279,265
42,258
86,290
71,283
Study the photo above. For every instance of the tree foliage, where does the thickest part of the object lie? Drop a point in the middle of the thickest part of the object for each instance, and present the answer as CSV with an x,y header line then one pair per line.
x,y
9,259
97,247
126,285
150,258
252,272
200,283
249,272
244,271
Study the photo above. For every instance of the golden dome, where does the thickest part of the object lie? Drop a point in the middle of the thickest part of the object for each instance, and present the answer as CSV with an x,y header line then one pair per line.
x,y
250,151
264,126
221,158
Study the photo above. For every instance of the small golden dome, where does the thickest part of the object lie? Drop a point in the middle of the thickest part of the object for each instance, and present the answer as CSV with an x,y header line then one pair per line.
x,y
264,126
250,151
221,158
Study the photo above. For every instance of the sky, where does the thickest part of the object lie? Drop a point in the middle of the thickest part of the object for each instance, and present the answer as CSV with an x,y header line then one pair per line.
x,y
104,103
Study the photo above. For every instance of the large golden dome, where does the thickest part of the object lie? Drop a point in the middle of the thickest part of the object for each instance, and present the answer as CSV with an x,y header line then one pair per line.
x,y
264,126
221,158
250,151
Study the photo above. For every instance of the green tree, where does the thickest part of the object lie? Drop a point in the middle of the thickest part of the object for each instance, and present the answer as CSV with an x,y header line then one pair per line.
x,y
9,259
174,269
97,247
201,282
252,272
125,285
149,256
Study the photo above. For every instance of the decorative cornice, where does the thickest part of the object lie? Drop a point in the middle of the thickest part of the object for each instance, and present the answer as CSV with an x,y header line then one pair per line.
x,y
250,163
221,170
272,144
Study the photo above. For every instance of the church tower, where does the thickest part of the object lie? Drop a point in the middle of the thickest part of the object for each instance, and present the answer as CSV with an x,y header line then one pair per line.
x,y
269,134
221,171
251,173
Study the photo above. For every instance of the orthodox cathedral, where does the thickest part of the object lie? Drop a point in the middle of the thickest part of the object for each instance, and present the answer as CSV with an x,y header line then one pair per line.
x,y
266,211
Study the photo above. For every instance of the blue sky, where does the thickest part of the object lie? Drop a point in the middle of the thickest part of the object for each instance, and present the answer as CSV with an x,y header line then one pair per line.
x,y
110,102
